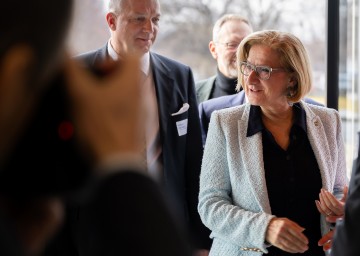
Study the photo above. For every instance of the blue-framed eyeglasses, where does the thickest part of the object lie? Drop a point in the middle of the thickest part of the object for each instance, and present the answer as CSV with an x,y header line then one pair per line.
x,y
262,72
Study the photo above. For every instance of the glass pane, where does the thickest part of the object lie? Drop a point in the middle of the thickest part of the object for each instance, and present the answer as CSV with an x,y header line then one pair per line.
x,y
349,76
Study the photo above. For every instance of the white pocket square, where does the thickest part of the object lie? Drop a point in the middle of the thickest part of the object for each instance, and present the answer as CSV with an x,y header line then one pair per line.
x,y
183,109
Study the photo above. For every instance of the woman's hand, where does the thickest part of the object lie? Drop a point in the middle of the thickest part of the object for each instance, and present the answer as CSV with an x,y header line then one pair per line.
x,y
286,235
329,206
326,240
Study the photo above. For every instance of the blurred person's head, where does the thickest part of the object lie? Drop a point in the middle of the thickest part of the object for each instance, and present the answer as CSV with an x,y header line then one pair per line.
x,y
33,34
133,24
274,68
228,32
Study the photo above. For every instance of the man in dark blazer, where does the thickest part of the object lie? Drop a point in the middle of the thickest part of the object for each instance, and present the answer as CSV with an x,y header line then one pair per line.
x,y
207,107
121,210
228,32
174,144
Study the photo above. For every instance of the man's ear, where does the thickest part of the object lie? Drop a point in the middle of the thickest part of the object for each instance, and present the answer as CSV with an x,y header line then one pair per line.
x,y
111,20
212,48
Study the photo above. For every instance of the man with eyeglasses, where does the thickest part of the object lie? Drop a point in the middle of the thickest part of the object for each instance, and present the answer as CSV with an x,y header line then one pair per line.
x,y
228,32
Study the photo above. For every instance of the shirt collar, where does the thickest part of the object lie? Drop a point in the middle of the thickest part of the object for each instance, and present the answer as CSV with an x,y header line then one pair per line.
x,y
256,125
144,61
113,55
300,116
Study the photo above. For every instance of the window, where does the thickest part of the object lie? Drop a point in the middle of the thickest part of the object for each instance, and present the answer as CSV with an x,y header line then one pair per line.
x,y
349,76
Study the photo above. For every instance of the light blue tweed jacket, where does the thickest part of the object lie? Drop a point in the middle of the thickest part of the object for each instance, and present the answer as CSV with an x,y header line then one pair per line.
x,y
233,198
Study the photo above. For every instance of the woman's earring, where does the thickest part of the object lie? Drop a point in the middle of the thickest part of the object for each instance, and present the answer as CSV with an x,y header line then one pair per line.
x,y
290,93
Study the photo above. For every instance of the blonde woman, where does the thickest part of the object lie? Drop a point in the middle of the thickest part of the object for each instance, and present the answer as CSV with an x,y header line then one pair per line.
x,y
266,161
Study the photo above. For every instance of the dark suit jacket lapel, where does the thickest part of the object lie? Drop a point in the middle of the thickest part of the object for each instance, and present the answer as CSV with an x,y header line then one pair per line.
x,y
240,99
164,90
208,87
173,146
234,100
93,58
101,54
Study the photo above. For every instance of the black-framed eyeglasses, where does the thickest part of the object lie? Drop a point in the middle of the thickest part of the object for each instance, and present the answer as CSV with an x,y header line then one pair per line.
x,y
230,45
262,72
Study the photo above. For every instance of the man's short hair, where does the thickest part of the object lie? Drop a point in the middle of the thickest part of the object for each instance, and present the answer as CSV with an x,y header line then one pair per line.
x,y
225,18
115,6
